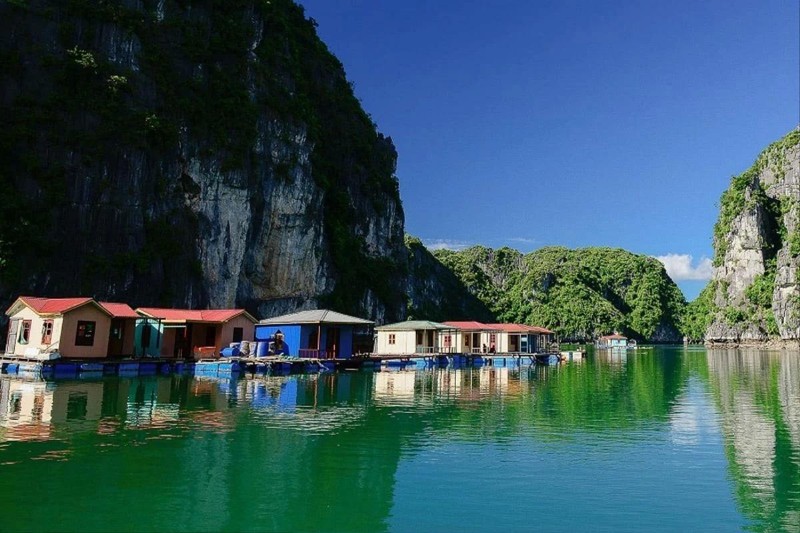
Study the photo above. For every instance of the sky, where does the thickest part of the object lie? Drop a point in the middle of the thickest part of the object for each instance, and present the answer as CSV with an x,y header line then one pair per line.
x,y
530,123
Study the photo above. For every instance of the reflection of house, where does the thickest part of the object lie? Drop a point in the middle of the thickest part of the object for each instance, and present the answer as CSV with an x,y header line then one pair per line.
x,y
39,328
395,385
28,408
188,333
315,333
471,337
415,337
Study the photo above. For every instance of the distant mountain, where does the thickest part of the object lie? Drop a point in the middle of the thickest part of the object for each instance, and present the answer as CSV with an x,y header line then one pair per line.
x,y
580,294
436,293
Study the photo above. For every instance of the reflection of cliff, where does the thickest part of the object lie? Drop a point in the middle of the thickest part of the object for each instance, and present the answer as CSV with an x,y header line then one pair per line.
x,y
301,452
759,399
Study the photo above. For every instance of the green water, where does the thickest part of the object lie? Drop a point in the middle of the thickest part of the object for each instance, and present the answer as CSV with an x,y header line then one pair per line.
x,y
667,439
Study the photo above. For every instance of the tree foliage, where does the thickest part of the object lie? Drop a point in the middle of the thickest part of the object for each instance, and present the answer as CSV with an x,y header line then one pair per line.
x,y
578,293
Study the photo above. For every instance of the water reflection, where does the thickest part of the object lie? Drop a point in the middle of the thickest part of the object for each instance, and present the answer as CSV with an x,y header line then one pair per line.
x,y
299,441
759,399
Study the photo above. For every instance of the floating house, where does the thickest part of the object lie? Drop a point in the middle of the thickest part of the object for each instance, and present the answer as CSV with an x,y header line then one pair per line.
x,y
416,337
48,328
190,333
471,337
317,333
615,341
121,330
519,338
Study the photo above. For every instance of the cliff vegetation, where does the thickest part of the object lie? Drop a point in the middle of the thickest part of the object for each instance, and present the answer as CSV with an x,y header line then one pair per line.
x,y
186,152
580,293
754,293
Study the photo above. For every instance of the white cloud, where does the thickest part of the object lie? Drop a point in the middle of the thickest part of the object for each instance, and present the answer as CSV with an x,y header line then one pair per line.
x,y
523,240
679,267
445,244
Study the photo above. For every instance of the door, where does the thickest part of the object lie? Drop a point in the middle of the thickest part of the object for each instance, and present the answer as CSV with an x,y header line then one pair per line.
x,y
11,343
513,340
183,342
211,336
115,337
332,342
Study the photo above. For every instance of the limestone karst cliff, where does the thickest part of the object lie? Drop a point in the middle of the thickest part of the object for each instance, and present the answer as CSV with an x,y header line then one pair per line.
x,y
191,153
754,294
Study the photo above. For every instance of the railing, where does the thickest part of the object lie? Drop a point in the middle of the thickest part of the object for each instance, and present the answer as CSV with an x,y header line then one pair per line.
x,y
318,354
204,352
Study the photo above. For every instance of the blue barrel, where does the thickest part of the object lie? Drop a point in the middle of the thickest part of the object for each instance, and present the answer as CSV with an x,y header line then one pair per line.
x,y
262,348
229,352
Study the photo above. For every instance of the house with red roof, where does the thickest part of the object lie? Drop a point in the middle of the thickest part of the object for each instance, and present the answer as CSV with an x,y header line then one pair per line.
x,y
48,328
471,336
190,333
122,329
521,338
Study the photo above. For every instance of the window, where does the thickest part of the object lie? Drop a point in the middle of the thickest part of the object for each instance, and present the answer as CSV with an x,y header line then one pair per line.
x,y
211,335
466,340
392,338
25,332
85,334
447,341
238,334
492,337
47,332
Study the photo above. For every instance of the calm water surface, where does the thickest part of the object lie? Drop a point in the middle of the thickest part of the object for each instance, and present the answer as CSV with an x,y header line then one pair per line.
x,y
666,439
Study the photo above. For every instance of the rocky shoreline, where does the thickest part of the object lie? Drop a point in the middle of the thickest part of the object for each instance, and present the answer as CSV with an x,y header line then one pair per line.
x,y
769,344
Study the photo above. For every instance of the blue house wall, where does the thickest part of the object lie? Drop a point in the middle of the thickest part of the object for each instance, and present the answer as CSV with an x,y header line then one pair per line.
x,y
298,337
291,336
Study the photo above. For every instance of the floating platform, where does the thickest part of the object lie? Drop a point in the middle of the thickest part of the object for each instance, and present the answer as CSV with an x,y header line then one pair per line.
x,y
274,365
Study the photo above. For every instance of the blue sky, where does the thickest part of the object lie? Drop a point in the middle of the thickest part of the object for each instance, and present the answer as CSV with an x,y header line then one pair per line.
x,y
575,123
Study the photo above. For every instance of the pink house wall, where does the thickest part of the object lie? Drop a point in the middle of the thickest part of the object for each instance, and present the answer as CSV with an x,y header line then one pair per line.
x,y
69,328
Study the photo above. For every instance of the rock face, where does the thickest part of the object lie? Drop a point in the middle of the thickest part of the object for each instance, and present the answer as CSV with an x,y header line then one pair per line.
x,y
757,249
187,153
436,293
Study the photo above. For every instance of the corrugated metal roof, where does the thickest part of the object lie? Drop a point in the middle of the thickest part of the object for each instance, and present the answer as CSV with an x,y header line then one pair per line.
x,y
469,325
194,315
615,336
51,306
120,310
515,328
316,316
410,325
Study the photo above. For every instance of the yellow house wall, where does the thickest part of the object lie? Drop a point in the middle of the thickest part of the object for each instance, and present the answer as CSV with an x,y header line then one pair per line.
x,y
35,341
405,343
